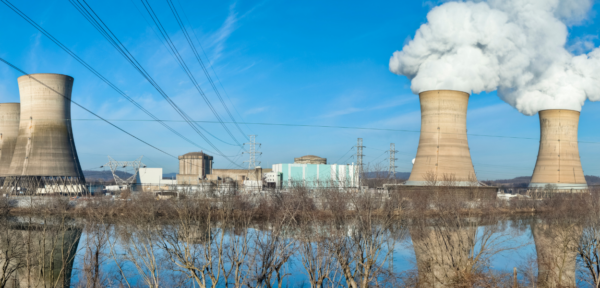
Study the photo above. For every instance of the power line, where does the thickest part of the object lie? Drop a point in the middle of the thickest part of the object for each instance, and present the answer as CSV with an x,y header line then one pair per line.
x,y
211,66
352,128
87,110
105,31
91,69
183,65
80,106
191,43
345,160
337,161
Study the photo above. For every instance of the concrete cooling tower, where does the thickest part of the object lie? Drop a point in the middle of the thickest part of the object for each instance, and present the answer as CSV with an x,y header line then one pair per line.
x,y
45,159
9,129
558,160
443,151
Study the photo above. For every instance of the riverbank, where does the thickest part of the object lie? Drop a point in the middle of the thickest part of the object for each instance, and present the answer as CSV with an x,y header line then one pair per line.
x,y
301,203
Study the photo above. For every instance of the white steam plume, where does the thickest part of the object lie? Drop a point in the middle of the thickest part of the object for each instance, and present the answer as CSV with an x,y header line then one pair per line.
x,y
517,47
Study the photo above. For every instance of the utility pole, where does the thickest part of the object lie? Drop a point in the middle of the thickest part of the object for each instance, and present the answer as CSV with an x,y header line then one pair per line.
x,y
392,169
253,151
359,157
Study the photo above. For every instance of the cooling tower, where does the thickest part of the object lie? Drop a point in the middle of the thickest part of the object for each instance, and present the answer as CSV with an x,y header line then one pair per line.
x,y
9,129
45,159
558,158
443,152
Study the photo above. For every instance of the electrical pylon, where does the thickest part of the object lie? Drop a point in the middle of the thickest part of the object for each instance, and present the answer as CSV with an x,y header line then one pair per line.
x,y
392,169
253,151
359,156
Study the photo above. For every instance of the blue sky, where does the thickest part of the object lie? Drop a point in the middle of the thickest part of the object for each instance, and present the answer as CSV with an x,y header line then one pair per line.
x,y
308,62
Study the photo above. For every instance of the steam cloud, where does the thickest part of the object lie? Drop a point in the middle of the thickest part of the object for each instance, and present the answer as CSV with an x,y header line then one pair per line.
x,y
517,47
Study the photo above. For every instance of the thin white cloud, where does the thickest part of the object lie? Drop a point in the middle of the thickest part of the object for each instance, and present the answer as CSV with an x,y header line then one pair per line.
x,y
219,38
397,101
255,110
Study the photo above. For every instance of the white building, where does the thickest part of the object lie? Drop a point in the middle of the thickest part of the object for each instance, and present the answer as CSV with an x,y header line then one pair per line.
x,y
152,179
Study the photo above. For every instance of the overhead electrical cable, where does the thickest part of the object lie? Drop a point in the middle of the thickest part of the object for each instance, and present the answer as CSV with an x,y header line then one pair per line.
x,y
211,66
379,156
91,69
343,155
103,29
184,66
352,127
87,110
346,160
201,62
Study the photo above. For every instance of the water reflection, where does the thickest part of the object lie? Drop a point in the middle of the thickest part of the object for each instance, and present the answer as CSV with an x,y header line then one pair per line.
x,y
458,251
37,252
556,242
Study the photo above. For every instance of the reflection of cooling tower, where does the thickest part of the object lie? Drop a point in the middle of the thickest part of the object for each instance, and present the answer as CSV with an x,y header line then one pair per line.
x,y
442,253
443,147
558,158
45,156
50,255
9,129
556,253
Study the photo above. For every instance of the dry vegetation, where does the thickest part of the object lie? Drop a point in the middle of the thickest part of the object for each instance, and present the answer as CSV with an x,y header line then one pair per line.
x,y
335,238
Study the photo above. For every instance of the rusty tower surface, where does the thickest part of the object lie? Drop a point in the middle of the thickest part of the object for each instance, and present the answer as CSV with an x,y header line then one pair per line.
x,y
9,129
558,160
45,159
443,151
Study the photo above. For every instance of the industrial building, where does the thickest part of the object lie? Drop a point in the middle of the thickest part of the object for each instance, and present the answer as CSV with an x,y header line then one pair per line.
x,y
45,159
306,174
193,167
443,151
558,161
196,169
151,179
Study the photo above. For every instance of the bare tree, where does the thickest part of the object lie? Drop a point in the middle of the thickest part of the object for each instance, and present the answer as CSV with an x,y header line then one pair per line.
x,y
362,243
137,236
431,179
12,252
194,244
95,246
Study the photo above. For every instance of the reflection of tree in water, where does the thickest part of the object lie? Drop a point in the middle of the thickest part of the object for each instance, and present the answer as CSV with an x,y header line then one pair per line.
x,y
38,253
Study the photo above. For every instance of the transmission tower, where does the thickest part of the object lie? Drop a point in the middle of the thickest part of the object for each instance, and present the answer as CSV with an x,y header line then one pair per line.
x,y
132,167
253,151
392,169
359,156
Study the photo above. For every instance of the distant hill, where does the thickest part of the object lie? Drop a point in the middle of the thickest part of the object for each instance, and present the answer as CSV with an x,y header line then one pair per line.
x,y
523,181
169,175
517,182
384,174
592,180
103,175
